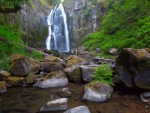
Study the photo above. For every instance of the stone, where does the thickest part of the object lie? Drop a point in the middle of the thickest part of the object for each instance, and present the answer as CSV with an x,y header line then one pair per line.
x,y
4,74
97,50
32,78
64,93
3,87
113,51
97,92
53,79
133,67
87,70
86,55
23,65
74,73
14,81
51,66
79,109
55,105
73,60
52,58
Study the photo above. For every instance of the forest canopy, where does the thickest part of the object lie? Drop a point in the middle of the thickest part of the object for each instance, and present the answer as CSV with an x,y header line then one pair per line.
x,y
126,24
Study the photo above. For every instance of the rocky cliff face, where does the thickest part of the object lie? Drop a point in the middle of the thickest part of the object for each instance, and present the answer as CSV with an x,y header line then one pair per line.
x,y
33,20
84,16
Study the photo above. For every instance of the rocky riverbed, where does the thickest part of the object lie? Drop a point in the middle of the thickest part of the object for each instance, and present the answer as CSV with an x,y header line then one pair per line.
x,y
31,99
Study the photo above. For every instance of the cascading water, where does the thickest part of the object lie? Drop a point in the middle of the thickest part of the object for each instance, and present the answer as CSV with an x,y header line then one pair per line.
x,y
58,37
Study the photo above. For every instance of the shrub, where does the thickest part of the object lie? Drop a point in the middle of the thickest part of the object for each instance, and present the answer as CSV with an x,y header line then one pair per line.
x,y
103,74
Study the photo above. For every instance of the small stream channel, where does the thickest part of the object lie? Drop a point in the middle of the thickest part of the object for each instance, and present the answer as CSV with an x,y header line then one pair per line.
x,y
31,99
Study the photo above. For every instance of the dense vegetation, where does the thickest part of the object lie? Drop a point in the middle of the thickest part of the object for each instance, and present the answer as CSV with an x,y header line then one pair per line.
x,y
12,34
126,24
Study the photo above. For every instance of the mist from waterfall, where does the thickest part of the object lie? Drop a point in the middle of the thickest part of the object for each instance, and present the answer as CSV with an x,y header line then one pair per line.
x,y
58,37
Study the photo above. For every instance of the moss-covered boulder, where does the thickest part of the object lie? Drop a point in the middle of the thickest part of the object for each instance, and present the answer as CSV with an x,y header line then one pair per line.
x,y
4,74
3,87
73,60
23,65
74,73
14,81
51,66
133,66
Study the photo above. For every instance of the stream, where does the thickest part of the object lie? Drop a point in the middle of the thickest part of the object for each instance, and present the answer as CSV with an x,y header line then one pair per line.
x,y
31,99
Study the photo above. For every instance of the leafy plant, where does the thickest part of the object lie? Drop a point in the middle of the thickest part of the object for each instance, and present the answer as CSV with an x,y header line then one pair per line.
x,y
103,74
37,55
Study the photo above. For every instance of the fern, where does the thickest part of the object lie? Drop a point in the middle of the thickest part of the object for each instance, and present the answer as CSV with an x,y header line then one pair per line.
x,y
103,74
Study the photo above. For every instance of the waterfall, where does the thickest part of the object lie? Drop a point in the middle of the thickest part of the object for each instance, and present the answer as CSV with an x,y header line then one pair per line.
x,y
58,37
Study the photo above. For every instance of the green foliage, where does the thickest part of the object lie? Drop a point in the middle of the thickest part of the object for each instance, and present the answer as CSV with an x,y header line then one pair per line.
x,y
103,74
9,47
4,64
11,33
11,3
36,55
125,25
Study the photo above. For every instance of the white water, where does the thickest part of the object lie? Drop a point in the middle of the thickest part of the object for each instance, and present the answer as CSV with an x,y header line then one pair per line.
x,y
58,37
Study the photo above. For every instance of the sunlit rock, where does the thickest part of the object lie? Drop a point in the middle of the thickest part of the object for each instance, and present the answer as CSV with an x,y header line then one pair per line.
x,y
97,92
73,60
14,81
52,58
4,74
55,105
79,109
53,79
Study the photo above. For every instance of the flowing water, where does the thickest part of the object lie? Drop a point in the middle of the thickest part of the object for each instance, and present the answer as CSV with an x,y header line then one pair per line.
x,y
31,99
58,37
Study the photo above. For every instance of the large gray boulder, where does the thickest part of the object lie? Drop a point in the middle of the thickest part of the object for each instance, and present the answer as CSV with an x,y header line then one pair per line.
x,y
133,66
53,79
79,109
97,92
55,105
